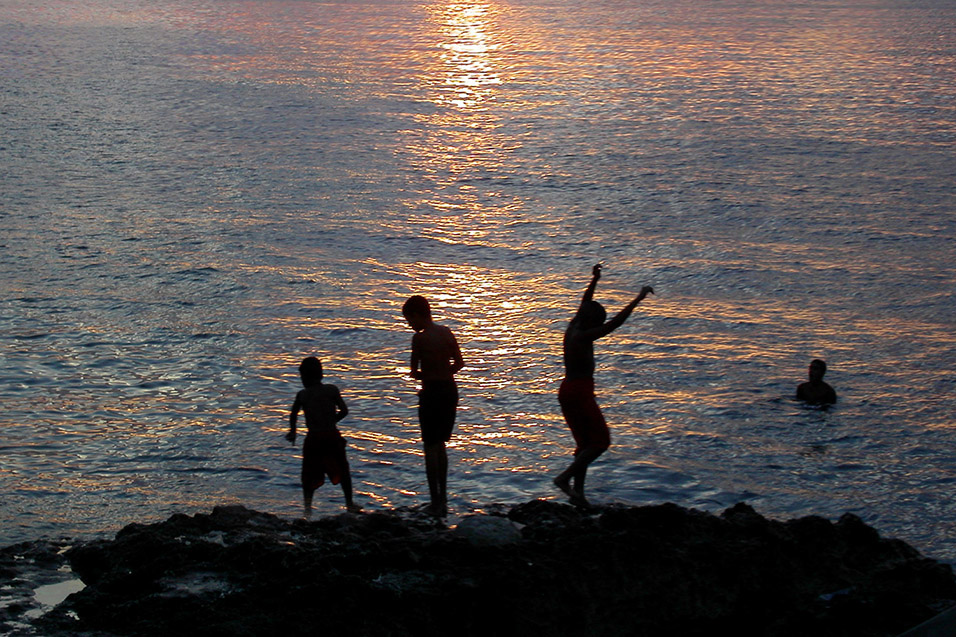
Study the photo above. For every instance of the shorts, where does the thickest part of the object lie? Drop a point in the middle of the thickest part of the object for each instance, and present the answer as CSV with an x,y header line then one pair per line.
x,y
323,454
583,415
437,406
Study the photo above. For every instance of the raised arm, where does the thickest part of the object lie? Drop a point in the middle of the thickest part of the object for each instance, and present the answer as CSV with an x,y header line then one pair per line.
x,y
595,277
620,317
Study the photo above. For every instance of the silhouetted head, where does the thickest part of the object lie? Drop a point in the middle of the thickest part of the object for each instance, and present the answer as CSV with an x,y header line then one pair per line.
x,y
417,312
817,369
310,370
591,314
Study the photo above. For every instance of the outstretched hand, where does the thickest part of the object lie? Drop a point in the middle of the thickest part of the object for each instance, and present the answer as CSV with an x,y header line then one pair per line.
x,y
644,292
596,271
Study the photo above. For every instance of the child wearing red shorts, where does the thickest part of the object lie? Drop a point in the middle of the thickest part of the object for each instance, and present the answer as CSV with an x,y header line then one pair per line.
x,y
576,395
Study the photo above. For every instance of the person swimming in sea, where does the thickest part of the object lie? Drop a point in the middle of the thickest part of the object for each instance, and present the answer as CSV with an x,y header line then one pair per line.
x,y
815,391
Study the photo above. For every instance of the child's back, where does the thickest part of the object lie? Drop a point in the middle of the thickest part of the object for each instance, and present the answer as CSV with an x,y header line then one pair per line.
x,y
319,404
324,450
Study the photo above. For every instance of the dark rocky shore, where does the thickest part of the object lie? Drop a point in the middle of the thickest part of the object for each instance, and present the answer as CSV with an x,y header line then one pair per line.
x,y
540,568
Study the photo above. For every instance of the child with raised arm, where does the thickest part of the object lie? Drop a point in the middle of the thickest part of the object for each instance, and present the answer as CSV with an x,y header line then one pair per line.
x,y
323,453
436,358
576,395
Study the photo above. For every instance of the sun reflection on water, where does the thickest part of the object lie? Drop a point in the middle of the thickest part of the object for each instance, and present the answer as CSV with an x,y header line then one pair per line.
x,y
466,72
457,143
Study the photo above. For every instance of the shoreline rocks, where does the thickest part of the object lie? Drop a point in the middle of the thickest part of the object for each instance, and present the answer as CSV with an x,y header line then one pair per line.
x,y
540,567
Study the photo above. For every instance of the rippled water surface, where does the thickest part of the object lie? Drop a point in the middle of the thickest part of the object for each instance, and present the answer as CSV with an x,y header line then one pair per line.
x,y
195,194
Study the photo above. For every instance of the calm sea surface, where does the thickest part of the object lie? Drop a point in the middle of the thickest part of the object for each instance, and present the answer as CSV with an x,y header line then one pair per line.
x,y
195,194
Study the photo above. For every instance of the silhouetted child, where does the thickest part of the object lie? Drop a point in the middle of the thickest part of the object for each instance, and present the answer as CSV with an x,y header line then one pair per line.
x,y
435,360
323,452
576,394
815,391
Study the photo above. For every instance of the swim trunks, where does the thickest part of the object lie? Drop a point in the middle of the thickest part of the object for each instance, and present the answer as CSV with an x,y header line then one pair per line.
x,y
583,415
323,454
437,405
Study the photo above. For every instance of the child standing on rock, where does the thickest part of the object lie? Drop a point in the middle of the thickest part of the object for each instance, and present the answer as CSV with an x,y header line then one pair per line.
x,y
323,453
436,358
576,395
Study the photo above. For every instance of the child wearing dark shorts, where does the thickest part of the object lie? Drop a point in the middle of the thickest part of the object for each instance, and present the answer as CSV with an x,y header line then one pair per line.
x,y
437,407
323,453
436,358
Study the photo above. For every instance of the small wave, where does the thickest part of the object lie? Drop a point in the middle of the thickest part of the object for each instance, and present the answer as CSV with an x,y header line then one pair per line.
x,y
218,470
346,331
153,384
31,337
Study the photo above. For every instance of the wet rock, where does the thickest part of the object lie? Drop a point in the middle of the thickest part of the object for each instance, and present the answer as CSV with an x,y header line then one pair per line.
x,y
487,530
25,569
541,568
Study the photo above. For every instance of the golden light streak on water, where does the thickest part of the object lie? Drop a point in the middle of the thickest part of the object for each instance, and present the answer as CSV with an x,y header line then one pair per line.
x,y
458,141
469,69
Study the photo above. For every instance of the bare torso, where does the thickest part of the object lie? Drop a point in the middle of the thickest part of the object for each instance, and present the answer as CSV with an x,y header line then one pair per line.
x,y
320,403
816,393
578,353
435,353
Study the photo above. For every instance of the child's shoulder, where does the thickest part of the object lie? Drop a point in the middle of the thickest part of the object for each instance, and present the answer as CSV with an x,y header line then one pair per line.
x,y
318,389
327,390
442,331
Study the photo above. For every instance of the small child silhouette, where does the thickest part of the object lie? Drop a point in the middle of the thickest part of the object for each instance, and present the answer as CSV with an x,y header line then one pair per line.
x,y
323,452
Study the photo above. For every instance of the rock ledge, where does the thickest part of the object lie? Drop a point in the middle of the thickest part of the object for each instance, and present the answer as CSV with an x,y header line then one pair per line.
x,y
537,568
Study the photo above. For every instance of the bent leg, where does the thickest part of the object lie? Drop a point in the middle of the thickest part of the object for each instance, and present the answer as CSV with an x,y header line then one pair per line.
x,y
577,471
580,467
583,415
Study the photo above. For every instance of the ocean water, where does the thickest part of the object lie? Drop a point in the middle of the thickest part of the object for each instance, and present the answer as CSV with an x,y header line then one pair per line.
x,y
195,194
